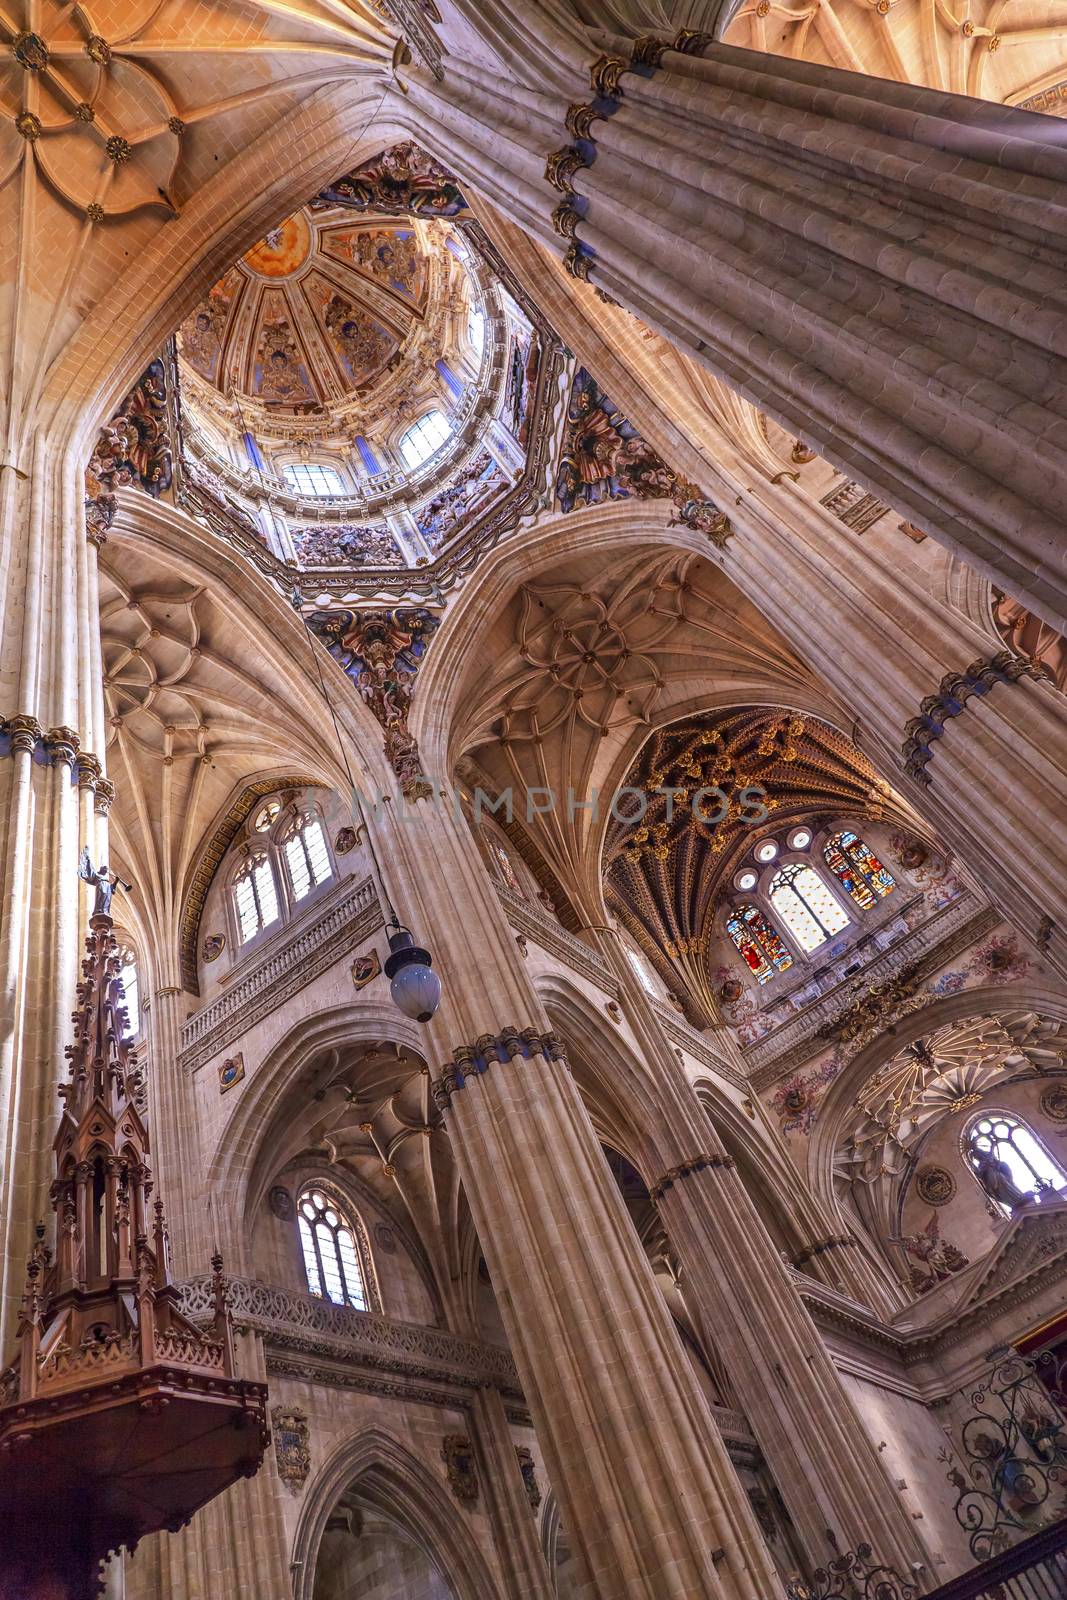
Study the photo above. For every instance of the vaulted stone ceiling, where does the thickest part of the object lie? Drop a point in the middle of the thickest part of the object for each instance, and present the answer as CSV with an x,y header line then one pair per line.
x,y
985,48
664,875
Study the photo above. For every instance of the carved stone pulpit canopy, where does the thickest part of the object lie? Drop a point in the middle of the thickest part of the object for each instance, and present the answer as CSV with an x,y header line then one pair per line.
x,y
119,1416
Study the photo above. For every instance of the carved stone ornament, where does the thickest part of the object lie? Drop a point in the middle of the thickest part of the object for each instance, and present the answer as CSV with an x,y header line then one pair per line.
x,y
289,1426
528,1468
345,841
1054,1102
935,1186
231,1071
385,1238
457,1453
213,946
281,1203
365,968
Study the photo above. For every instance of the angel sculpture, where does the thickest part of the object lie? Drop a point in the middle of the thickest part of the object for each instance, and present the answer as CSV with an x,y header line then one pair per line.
x,y
103,880
937,1256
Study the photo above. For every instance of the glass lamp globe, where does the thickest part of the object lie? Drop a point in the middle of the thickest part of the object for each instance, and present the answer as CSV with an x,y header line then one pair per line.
x,y
414,986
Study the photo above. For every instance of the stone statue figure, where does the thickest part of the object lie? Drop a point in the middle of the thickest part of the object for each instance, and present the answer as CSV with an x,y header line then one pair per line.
x,y
104,881
996,1179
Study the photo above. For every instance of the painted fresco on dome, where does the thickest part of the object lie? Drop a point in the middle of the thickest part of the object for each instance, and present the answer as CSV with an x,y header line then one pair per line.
x,y
360,343
604,457
283,250
345,545
477,484
401,181
278,370
524,359
133,447
201,334
389,255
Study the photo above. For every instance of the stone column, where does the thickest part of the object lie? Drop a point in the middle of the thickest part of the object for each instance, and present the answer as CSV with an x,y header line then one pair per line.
x,y
877,266
522,1561
647,1491
824,1461
51,715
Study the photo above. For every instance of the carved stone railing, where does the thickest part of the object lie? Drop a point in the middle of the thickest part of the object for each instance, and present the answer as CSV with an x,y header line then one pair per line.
x,y
302,1323
344,921
942,936
534,923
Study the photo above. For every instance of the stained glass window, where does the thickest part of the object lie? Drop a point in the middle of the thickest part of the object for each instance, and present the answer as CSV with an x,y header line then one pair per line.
x,y
641,972
505,868
757,942
1030,1167
331,1260
806,905
307,858
255,896
857,867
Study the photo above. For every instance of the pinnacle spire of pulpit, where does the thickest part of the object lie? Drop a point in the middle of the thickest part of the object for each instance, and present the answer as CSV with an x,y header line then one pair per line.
x,y
118,1407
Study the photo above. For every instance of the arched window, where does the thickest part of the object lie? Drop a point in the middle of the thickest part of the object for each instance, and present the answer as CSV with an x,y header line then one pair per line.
x,y
306,857
806,905
1009,1160
329,1245
309,478
255,897
858,869
476,331
130,989
644,977
420,441
757,942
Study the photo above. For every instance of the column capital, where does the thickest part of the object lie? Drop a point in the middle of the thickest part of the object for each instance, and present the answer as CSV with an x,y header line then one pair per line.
x,y
62,745
471,1060
24,733
701,1162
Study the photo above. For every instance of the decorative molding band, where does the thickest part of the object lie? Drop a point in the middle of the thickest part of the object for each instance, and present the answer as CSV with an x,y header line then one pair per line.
x,y
819,1247
345,924
695,1044
537,925
933,945
305,1325
954,691
685,1169
471,1060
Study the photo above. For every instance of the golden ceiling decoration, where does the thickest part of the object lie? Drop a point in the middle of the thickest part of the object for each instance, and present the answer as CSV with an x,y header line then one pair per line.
x,y
665,874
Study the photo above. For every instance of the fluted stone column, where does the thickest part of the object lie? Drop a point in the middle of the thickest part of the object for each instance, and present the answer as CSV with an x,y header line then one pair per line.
x,y
648,1494
876,265
51,784
514,1522
824,1461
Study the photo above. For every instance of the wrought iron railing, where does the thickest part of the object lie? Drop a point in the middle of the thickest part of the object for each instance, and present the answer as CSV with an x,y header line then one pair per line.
x,y
1035,1569
856,1575
1012,1458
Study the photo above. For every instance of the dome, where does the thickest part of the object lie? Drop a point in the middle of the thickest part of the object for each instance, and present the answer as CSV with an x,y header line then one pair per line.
x,y
332,315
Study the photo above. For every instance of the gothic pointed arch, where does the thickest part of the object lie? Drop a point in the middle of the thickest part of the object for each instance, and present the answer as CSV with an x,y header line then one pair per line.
x,y
402,1488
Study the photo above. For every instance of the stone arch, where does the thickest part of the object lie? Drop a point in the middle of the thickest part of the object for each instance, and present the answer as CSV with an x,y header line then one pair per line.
x,y
937,1013
235,1176
404,1489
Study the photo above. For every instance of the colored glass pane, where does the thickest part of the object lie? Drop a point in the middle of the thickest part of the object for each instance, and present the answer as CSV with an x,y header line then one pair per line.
x,y
856,866
757,942
806,906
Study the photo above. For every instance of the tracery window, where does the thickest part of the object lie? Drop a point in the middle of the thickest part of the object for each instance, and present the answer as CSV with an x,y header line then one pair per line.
x,y
758,943
504,868
308,477
331,1259
306,857
421,440
130,989
255,897
1006,1155
858,869
806,906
